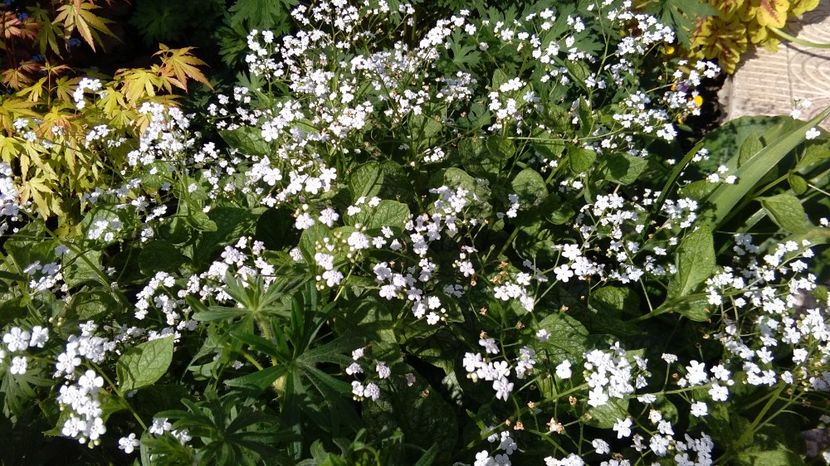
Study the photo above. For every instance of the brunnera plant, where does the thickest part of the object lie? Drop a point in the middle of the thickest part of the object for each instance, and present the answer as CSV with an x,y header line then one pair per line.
x,y
481,241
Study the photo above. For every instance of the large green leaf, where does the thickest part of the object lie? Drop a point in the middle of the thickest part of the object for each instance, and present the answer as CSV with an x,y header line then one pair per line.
x,y
530,186
568,337
786,211
695,262
389,213
247,140
158,256
580,159
144,364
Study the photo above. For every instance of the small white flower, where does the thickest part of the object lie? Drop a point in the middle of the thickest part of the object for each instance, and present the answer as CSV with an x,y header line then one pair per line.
x,y
19,365
563,370
699,409
128,444
383,370
623,427
812,133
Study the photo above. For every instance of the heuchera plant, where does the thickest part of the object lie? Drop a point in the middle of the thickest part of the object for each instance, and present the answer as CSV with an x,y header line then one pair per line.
x,y
484,241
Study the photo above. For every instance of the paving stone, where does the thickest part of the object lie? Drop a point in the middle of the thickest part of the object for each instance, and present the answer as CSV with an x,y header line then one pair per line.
x,y
769,83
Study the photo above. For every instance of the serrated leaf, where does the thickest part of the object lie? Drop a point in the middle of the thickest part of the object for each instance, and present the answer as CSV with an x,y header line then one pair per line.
x,y
787,212
144,364
179,65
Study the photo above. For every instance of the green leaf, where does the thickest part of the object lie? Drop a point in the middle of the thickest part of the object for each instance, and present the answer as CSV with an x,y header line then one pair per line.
x,y
366,181
246,139
201,221
530,186
144,364
421,415
389,213
580,159
797,184
81,267
778,457
158,256
88,304
814,155
260,14
727,196
309,240
695,262
624,168
607,415
568,337
787,212
212,313
615,300
751,146
499,78
259,380
696,310
275,228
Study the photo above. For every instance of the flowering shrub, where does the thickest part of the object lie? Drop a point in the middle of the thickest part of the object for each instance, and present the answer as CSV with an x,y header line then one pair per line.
x,y
478,241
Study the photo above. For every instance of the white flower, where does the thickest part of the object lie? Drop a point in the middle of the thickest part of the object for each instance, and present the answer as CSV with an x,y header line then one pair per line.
x,y
371,391
623,427
563,370
601,446
357,389
16,339
699,409
563,273
303,221
358,241
328,217
128,444
19,365
40,336
159,426
812,133
718,393
383,370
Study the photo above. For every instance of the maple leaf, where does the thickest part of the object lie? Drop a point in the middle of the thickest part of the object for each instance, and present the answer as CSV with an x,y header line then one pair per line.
x,y
14,28
21,76
177,65
33,92
48,33
138,83
78,14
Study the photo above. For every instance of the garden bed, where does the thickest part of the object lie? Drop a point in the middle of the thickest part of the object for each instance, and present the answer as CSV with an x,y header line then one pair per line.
x,y
491,238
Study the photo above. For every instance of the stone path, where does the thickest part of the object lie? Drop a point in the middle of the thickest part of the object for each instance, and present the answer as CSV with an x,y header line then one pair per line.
x,y
768,83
